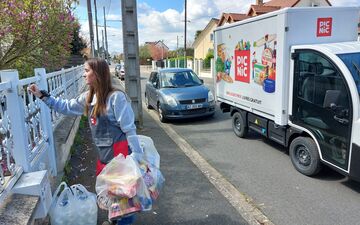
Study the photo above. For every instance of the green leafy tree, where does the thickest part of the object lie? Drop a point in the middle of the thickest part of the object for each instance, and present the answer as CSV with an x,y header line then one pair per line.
x,y
144,54
208,57
77,43
35,33
197,33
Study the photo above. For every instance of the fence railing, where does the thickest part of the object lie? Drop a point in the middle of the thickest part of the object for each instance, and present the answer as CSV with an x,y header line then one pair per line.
x,y
27,124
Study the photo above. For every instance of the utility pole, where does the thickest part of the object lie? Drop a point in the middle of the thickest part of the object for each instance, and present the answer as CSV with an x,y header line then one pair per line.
x,y
106,40
103,44
131,57
162,50
97,34
185,62
177,50
91,28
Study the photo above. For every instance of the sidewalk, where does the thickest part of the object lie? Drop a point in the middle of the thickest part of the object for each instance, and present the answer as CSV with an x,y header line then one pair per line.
x,y
187,197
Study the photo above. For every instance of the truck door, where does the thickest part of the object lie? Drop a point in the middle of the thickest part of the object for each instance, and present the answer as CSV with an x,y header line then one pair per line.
x,y
322,105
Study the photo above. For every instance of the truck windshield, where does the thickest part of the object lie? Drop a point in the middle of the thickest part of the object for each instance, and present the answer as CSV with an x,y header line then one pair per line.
x,y
352,61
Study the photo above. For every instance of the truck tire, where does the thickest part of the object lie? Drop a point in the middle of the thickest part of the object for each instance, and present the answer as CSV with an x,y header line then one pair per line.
x,y
239,125
304,156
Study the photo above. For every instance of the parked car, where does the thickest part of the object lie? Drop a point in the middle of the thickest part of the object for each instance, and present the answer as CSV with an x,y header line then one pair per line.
x,y
178,93
122,73
117,70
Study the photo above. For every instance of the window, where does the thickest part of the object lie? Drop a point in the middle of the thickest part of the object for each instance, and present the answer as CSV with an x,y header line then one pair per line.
x,y
211,37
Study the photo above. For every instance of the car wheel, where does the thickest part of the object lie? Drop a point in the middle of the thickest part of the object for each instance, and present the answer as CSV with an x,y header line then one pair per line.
x,y
147,102
304,156
239,125
161,114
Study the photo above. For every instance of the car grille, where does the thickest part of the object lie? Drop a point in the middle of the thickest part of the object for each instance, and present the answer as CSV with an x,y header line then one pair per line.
x,y
199,100
193,111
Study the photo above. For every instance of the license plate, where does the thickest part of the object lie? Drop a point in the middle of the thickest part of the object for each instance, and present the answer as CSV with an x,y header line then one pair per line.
x,y
194,106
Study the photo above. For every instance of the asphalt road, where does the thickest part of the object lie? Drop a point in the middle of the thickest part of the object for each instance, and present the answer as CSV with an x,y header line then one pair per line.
x,y
263,171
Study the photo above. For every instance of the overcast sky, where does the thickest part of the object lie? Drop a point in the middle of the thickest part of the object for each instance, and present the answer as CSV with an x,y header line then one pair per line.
x,y
164,19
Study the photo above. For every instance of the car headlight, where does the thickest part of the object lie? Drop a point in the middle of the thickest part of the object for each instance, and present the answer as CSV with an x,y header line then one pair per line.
x,y
170,100
210,97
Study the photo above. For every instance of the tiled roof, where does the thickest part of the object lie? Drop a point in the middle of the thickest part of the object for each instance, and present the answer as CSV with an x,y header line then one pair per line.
x,y
261,9
285,3
281,3
233,16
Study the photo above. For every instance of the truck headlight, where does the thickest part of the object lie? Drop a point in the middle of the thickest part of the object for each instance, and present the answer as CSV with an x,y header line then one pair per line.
x,y
170,101
210,97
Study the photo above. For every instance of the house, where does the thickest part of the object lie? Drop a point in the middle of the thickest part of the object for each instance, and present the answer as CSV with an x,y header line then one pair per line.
x,y
296,3
262,7
227,18
205,40
160,44
158,49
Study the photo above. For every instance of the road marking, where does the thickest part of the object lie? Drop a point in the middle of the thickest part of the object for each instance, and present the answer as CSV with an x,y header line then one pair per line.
x,y
242,204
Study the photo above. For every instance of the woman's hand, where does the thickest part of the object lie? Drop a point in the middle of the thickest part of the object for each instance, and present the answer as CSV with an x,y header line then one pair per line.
x,y
34,90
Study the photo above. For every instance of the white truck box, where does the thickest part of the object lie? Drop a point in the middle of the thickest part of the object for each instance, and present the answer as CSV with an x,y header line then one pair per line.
x,y
294,77
252,57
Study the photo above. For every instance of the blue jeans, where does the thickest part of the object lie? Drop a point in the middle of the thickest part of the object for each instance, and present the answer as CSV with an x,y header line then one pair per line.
x,y
126,220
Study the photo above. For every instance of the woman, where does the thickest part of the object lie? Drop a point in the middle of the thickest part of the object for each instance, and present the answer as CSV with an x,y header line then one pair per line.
x,y
109,113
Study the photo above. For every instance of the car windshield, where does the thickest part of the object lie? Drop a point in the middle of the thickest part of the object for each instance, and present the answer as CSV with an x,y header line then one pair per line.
x,y
179,79
352,62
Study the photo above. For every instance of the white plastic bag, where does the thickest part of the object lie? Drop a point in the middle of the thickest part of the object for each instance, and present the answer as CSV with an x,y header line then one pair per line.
x,y
73,206
149,165
119,177
117,186
63,208
85,204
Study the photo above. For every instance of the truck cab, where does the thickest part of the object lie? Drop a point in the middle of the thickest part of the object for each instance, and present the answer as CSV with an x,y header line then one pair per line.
x,y
324,103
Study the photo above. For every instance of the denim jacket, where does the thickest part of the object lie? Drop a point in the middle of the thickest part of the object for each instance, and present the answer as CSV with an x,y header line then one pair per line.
x,y
118,112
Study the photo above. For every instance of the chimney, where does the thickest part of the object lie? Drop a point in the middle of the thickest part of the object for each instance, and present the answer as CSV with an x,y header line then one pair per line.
x,y
259,2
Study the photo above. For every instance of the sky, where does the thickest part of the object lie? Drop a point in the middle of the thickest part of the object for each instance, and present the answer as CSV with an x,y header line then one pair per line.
x,y
163,19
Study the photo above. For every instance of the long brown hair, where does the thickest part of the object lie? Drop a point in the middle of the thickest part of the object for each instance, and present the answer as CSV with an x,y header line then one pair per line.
x,y
101,87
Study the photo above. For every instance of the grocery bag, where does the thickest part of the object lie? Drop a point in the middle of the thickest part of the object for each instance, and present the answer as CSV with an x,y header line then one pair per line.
x,y
85,205
63,207
73,206
149,165
119,177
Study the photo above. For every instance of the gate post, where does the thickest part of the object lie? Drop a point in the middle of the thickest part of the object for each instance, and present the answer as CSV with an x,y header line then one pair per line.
x,y
46,122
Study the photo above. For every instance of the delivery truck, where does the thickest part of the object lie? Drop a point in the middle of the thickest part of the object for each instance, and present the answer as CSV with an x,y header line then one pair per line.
x,y
293,76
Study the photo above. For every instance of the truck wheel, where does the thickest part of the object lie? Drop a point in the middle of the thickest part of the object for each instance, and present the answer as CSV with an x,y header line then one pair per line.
x,y
304,156
239,125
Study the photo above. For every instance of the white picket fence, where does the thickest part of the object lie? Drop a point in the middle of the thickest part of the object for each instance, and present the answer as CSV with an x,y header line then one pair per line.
x,y
27,124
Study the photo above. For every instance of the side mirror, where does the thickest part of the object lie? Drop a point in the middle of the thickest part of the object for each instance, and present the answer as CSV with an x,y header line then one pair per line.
x,y
201,80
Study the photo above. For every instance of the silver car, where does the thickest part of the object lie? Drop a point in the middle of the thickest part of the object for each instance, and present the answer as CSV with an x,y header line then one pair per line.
x,y
178,93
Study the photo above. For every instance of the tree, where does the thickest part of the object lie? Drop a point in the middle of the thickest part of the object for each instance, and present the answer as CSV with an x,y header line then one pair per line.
x,y
35,33
189,51
144,54
78,44
172,54
198,32
209,56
